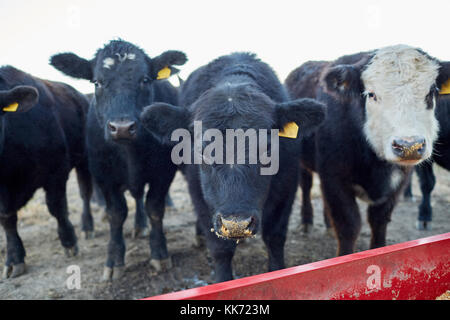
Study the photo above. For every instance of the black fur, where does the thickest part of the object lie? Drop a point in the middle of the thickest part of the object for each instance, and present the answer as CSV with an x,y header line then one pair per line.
x,y
38,150
122,91
231,92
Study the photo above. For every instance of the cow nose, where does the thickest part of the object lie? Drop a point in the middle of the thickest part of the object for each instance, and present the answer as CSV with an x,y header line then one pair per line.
x,y
236,226
409,148
122,129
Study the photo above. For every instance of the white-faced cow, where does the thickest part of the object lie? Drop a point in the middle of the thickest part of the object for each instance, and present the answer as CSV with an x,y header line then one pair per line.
x,y
380,123
121,154
38,149
236,197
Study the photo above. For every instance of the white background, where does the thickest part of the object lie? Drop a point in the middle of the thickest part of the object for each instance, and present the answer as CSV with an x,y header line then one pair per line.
x,y
283,33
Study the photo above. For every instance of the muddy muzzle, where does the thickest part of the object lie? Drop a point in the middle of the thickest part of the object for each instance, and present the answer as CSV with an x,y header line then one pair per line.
x,y
235,226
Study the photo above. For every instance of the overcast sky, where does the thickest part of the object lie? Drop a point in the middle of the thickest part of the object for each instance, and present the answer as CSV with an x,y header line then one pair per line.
x,y
283,33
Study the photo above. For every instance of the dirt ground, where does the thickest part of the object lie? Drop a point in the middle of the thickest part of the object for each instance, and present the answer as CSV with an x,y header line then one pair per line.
x,y
47,265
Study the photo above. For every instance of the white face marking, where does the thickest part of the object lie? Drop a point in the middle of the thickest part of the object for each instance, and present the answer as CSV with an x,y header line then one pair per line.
x,y
400,77
108,62
125,56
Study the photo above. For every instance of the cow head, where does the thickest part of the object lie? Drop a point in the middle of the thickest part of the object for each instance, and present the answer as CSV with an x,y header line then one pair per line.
x,y
235,192
16,100
124,78
397,88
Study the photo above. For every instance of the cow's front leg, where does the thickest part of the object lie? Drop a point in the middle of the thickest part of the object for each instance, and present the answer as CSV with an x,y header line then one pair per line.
x,y
55,196
116,208
141,228
15,252
344,213
155,208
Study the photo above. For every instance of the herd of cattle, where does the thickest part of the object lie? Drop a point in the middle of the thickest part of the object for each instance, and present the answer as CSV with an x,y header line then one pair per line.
x,y
366,121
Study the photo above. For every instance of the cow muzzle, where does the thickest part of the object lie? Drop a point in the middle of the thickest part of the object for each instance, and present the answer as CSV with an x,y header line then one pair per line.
x,y
122,130
409,149
236,226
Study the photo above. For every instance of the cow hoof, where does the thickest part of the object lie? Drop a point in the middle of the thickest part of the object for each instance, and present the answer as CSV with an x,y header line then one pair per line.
x,y
306,228
141,232
199,242
88,235
71,252
115,273
13,271
423,225
161,265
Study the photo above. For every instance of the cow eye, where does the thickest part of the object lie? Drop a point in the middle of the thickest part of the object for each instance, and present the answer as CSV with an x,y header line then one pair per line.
x,y
146,80
372,95
97,83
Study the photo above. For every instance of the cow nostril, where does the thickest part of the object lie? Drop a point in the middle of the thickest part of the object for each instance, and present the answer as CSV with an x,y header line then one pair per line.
x,y
132,128
112,128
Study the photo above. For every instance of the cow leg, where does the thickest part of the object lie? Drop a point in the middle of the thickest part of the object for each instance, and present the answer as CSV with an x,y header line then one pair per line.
x,y
85,185
344,213
97,195
55,195
15,252
407,194
140,220
379,216
116,208
199,235
306,182
222,252
169,201
427,183
274,229
155,207
327,218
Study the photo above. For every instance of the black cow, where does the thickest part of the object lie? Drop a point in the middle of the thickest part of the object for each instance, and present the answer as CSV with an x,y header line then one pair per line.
x,y
121,154
380,122
303,83
441,156
232,199
38,149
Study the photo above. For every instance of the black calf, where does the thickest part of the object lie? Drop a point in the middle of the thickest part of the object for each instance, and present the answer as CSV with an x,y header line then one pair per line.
x,y
232,199
122,155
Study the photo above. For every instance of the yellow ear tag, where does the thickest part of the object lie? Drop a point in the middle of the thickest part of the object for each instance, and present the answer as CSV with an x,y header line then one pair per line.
x,y
445,89
12,107
290,130
164,73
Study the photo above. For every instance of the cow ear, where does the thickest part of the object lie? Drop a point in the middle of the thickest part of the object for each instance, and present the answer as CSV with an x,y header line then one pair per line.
x,y
302,115
343,81
162,119
18,99
443,80
72,65
162,66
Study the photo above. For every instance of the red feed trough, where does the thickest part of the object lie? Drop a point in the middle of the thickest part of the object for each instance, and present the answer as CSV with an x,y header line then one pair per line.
x,y
418,269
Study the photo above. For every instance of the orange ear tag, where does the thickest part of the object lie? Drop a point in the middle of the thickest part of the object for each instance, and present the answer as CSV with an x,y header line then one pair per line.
x,y
12,107
445,89
164,73
290,130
